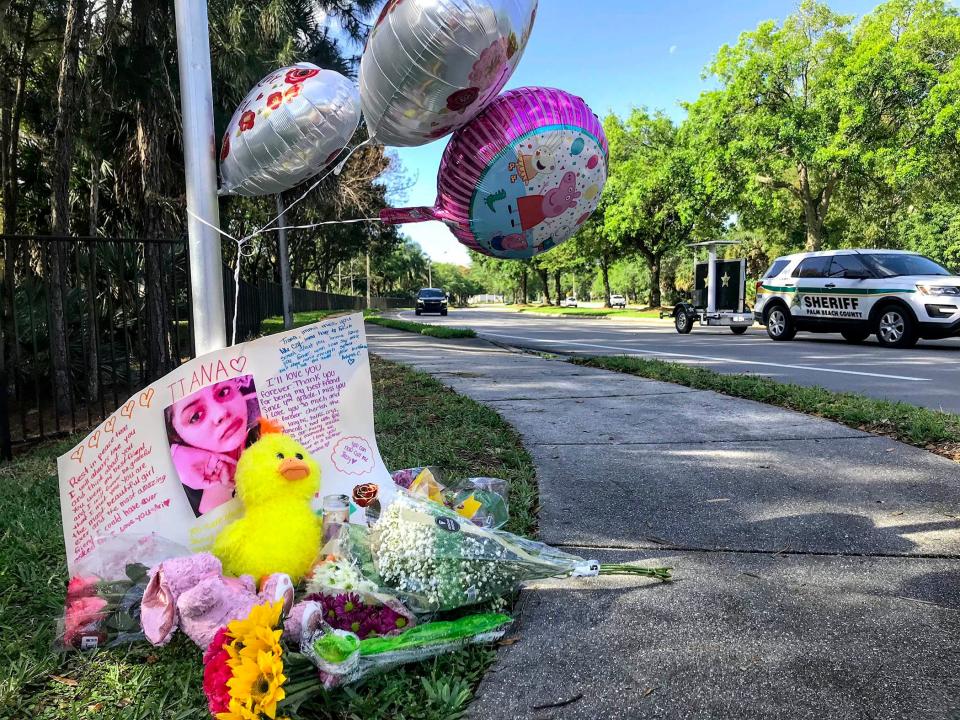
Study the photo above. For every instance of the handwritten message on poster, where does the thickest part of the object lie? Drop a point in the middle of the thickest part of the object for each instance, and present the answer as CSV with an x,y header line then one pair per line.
x,y
164,462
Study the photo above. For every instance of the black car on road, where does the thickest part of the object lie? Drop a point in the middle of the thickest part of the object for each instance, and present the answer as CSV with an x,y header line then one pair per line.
x,y
431,300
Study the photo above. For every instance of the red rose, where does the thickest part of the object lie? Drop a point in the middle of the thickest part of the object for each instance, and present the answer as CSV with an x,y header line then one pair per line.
x,y
246,121
291,92
273,102
462,99
297,75
225,150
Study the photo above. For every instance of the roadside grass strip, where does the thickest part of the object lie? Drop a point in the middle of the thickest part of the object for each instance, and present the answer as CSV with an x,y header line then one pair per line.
x,y
418,421
589,312
274,324
437,331
933,430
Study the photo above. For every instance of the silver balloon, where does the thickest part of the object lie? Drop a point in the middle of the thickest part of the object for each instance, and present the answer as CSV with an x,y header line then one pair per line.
x,y
292,125
430,66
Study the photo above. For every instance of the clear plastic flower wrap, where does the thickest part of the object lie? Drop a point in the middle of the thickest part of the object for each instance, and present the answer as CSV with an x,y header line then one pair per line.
x,y
436,560
102,604
343,658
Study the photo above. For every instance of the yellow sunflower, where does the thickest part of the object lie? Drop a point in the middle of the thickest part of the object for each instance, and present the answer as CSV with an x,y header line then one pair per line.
x,y
266,615
255,633
257,686
260,639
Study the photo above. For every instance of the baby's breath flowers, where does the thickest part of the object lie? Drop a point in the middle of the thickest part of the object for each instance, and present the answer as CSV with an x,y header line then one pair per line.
x,y
436,560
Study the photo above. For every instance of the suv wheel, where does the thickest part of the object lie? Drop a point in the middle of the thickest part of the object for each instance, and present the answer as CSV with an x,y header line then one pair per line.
x,y
896,327
855,335
780,325
683,322
418,311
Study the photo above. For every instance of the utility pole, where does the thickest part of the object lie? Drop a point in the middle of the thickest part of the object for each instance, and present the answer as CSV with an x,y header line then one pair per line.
x,y
286,282
429,273
199,151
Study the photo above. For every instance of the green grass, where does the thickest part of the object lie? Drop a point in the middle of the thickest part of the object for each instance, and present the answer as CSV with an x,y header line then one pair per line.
x,y
437,331
590,312
274,324
418,421
930,429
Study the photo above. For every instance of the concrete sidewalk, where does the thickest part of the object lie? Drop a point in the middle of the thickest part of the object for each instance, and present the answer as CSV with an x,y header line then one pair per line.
x,y
818,567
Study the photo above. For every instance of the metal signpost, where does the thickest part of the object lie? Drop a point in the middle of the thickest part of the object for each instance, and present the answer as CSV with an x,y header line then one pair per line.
x,y
199,153
286,281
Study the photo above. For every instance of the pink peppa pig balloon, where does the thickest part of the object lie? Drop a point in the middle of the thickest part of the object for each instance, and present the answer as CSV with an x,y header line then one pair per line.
x,y
521,177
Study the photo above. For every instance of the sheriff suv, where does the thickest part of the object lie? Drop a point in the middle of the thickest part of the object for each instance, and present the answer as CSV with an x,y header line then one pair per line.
x,y
899,296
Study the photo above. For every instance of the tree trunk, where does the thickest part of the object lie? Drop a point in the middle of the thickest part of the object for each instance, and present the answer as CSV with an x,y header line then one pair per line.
x,y
150,151
61,168
545,280
10,114
654,263
523,286
814,208
91,344
556,286
605,271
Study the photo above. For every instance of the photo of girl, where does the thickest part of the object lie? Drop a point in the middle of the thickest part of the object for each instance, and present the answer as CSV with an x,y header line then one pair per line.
x,y
207,431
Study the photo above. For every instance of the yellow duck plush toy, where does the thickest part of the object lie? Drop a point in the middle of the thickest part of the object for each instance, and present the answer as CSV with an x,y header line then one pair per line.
x,y
276,481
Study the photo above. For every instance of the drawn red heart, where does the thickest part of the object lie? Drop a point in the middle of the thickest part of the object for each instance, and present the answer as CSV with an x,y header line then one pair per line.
x,y
108,425
94,440
166,503
77,454
127,410
146,397
238,364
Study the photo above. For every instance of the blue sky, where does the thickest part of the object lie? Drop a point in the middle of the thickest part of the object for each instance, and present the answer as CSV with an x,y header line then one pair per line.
x,y
616,54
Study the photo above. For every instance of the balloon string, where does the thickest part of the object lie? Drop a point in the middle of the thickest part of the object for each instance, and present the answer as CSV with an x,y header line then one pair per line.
x,y
241,242
321,224
335,170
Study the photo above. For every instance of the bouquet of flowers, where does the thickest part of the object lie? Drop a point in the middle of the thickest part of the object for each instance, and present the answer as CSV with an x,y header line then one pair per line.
x,y
364,616
102,613
344,658
249,675
436,560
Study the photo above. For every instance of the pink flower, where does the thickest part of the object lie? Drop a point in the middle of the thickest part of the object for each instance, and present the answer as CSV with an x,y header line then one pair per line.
x,y
487,67
216,673
79,587
81,619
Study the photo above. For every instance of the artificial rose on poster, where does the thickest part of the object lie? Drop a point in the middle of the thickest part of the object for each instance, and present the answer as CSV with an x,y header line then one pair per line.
x,y
521,177
294,123
429,67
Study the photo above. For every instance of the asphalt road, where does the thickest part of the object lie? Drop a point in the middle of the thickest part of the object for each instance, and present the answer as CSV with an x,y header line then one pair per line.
x,y
927,375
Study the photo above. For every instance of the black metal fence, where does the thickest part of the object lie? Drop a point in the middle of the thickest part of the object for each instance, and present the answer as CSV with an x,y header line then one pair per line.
x,y
258,301
86,322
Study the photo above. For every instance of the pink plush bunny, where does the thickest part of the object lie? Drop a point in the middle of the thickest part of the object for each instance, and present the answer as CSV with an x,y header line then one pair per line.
x,y
191,593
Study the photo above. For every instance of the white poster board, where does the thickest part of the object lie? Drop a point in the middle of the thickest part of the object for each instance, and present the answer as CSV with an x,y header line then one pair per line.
x,y
163,462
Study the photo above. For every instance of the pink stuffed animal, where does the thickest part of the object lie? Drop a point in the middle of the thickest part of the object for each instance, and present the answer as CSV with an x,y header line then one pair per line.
x,y
191,593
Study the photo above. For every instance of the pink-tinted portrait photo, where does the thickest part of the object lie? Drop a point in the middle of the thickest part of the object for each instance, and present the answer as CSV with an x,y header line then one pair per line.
x,y
208,431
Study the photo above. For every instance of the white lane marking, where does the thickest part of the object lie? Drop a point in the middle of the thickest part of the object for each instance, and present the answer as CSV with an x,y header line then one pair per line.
x,y
714,359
